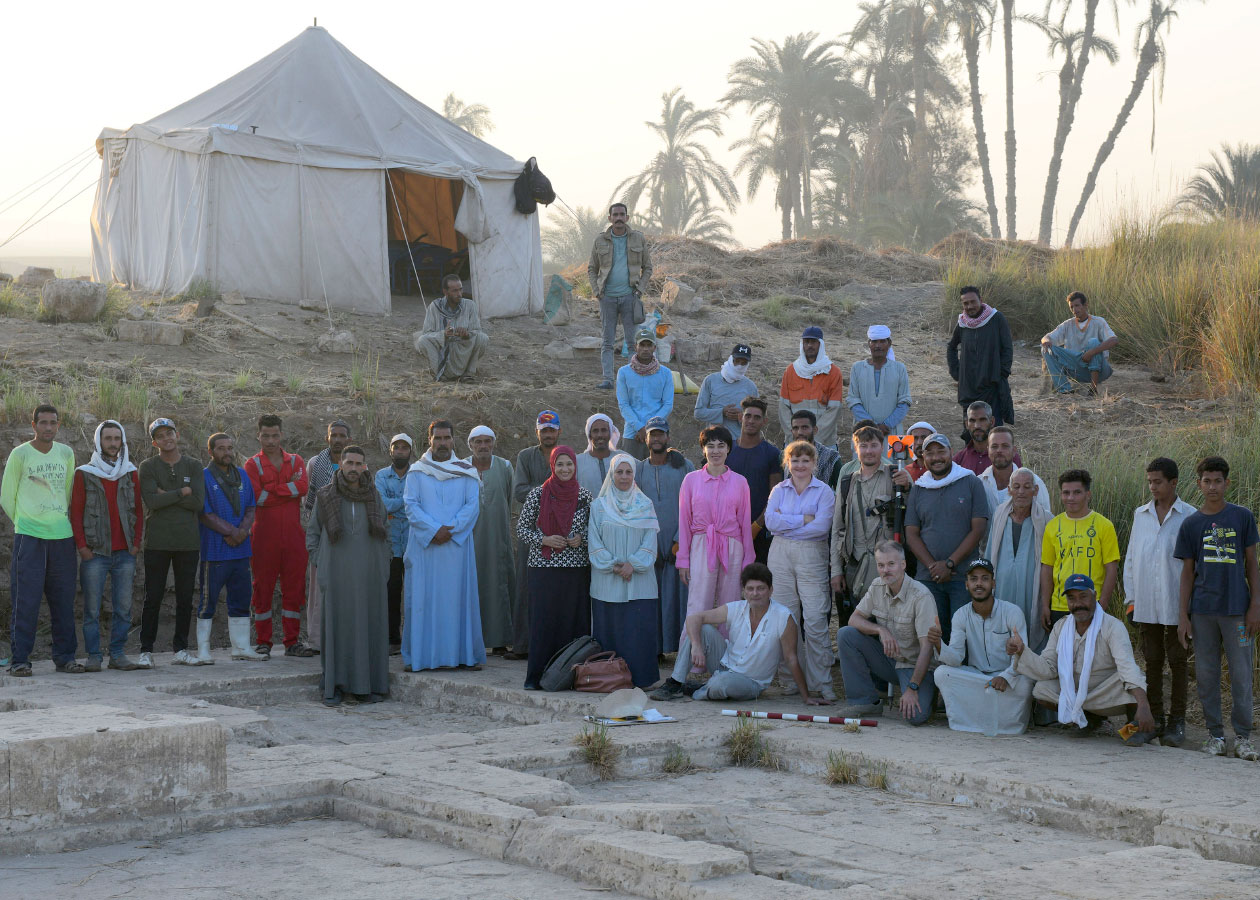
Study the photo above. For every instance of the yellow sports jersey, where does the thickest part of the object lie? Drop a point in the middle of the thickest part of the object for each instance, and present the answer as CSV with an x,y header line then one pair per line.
x,y
1083,545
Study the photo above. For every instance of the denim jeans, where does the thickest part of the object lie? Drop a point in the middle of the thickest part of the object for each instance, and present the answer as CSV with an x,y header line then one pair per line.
x,y
1212,635
612,309
120,566
42,568
862,663
723,684
950,597
1063,364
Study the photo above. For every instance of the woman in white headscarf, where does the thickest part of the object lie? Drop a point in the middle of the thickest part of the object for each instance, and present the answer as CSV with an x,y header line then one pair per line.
x,y
622,543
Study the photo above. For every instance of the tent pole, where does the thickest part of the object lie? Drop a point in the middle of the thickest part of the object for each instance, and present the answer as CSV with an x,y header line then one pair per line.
x,y
403,229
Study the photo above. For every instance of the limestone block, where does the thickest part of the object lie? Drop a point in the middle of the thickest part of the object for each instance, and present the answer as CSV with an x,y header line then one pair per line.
x,y
559,349
169,334
234,298
72,758
35,276
699,350
587,343
135,312
73,301
336,341
681,297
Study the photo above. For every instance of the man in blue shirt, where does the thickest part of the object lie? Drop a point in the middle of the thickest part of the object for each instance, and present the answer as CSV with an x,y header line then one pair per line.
x,y
723,391
758,461
389,484
226,519
619,271
645,390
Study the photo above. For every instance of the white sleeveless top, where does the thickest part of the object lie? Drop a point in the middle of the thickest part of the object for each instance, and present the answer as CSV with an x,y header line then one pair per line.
x,y
755,655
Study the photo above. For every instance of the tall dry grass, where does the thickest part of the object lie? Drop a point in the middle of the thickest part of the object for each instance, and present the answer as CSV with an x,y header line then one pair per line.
x,y
1178,295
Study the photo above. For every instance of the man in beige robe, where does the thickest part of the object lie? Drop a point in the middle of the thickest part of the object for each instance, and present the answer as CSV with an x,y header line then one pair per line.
x,y
451,336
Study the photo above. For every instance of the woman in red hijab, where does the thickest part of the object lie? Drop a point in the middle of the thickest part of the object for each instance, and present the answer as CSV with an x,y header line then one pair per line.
x,y
553,525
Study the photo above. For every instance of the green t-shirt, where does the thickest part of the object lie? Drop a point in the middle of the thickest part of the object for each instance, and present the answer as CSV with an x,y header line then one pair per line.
x,y
36,490
1083,546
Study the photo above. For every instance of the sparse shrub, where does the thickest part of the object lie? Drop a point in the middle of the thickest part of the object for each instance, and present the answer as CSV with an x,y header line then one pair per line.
x,y
748,746
877,777
852,728
840,770
599,750
785,311
677,762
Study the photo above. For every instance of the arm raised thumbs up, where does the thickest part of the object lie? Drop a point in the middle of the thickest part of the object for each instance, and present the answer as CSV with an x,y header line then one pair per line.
x,y
1014,644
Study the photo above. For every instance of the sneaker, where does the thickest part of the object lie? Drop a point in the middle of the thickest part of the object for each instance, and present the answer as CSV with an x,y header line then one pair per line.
x,y
669,690
93,664
20,670
300,649
1244,749
145,661
120,661
1174,733
1214,746
184,658
689,689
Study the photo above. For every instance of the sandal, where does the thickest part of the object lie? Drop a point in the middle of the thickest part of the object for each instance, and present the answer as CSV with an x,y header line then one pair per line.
x,y
74,667
20,670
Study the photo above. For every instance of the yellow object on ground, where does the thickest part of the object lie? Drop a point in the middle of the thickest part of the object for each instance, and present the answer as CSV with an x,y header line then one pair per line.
x,y
684,385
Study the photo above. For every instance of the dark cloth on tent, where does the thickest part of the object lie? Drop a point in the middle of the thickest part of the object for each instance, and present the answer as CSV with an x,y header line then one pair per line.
x,y
980,361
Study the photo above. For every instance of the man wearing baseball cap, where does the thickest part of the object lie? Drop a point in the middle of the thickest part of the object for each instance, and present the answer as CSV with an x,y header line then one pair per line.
x,y
174,490
532,468
977,676
645,389
389,484
660,477
812,382
1087,671
920,431
722,391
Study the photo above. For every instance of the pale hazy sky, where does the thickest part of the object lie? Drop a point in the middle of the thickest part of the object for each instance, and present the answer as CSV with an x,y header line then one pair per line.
x,y
572,83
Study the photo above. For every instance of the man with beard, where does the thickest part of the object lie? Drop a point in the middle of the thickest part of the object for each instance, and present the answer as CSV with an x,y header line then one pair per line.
x,y
532,468
443,499
645,390
879,387
920,431
226,519
320,471
722,391
975,456
492,541
1087,671
946,515
812,382
977,676
592,464
1003,463
348,539
980,354
451,337
389,484
805,428
660,477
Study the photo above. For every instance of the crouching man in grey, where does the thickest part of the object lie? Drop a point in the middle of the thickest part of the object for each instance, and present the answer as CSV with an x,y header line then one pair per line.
x,y
762,632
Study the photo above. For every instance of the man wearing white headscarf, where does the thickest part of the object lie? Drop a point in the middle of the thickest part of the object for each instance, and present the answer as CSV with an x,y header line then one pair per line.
x,y
723,391
107,517
879,386
812,382
621,543
492,541
602,437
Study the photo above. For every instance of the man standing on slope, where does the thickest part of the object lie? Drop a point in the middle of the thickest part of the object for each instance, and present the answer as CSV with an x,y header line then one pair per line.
x,y
980,355
619,272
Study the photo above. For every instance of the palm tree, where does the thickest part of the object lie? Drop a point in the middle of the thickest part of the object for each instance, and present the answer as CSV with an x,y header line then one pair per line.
x,y
683,169
766,154
699,221
473,118
1151,57
1228,187
568,239
1008,16
973,19
1067,110
792,90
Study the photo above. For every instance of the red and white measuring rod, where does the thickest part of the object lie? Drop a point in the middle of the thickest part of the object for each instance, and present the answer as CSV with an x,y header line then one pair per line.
x,y
793,717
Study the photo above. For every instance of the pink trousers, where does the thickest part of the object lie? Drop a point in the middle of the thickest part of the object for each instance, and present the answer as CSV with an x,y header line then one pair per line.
x,y
709,589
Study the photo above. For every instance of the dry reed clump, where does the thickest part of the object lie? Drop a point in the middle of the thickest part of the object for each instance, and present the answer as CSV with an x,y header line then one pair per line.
x,y
747,746
598,750
840,769
677,762
877,777
967,245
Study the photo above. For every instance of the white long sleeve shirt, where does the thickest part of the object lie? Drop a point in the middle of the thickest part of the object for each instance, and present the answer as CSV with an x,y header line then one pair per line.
x,y
1152,574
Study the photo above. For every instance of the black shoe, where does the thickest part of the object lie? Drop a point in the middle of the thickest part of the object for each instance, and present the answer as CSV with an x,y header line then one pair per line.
x,y
669,690
300,649
691,687
532,686
1174,732
1092,724
395,649
335,700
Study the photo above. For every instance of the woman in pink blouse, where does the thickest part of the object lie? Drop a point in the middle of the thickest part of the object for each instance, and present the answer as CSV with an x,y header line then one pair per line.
x,y
714,527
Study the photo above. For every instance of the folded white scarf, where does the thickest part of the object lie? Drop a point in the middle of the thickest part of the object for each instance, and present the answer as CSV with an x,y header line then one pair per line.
x,y
820,366
98,466
613,431
930,482
444,471
1072,695
732,373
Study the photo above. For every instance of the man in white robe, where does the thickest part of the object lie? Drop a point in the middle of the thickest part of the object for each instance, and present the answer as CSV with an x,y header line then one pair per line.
x,y
602,437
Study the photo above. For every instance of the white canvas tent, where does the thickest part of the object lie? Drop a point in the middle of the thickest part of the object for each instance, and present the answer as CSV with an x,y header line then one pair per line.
x,y
288,180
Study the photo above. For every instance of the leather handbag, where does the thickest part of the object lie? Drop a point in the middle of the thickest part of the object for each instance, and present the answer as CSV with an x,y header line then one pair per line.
x,y
602,673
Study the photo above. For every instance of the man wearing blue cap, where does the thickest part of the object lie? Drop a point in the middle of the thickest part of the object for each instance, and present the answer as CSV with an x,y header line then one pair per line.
x,y
1087,671
812,382
723,391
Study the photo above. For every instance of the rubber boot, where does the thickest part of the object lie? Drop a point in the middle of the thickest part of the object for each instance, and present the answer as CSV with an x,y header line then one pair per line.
x,y
238,632
203,642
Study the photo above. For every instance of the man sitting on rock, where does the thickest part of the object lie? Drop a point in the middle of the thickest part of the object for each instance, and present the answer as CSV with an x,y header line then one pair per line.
x,y
1087,671
1079,349
451,337
762,632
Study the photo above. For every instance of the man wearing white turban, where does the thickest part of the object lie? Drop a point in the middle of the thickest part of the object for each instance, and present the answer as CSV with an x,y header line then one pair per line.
x,y
602,437
492,541
879,386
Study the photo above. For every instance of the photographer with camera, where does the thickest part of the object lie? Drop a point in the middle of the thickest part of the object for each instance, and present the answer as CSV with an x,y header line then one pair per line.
x,y
863,516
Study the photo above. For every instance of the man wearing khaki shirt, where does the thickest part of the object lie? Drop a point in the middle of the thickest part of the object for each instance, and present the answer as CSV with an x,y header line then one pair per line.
x,y
890,637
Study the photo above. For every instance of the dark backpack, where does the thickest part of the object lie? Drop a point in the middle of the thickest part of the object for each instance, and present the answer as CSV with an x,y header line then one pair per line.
x,y
531,188
558,676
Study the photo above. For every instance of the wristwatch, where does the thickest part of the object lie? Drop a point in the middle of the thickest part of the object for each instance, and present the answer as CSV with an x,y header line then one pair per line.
x,y
914,686
950,564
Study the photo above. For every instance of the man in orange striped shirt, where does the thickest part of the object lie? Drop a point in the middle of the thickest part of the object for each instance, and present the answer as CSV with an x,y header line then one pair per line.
x,y
812,382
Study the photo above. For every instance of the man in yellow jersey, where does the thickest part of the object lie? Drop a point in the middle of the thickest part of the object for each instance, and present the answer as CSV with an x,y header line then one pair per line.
x,y
1077,541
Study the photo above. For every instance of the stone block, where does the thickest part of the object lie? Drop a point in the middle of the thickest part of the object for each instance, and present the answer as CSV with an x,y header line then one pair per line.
x,y
559,349
587,343
234,298
135,312
680,297
72,758
699,350
73,301
148,331
336,341
36,276
312,305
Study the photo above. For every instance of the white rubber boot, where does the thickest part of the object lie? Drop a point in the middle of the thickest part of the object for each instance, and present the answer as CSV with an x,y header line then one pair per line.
x,y
238,631
203,642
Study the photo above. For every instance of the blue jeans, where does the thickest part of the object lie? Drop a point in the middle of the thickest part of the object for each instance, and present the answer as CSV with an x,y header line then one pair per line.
x,y
1063,364
1214,636
42,568
723,684
612,309
950,597
120,566
216,575
862,663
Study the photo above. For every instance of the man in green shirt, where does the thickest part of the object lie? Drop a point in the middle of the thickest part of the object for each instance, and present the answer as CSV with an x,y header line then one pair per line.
x,y
174,490
35,495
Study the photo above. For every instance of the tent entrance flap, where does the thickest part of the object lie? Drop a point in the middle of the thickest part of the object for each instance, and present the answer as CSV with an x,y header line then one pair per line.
x,y
420,222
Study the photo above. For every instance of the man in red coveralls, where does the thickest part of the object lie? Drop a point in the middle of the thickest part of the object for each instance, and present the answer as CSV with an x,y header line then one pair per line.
x,y
280,481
